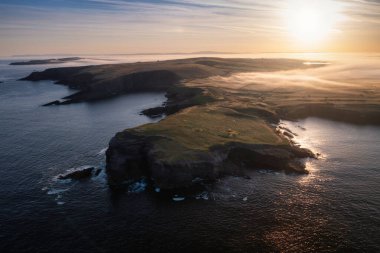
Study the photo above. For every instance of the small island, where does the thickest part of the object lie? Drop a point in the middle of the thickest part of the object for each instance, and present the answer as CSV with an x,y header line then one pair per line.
x,y
214,126
47,61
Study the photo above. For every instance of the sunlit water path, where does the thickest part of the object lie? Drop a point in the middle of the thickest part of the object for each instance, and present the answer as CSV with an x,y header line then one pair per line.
x,y
335,207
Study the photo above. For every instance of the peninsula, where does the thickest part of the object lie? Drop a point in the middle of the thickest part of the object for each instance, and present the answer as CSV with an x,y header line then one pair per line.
x,y
216,125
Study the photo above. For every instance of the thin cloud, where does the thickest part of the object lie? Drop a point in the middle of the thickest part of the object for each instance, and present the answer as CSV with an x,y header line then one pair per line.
x,y
168,21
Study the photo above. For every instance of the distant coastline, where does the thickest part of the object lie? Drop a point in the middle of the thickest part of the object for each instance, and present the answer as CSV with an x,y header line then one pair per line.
x,y
131,54
46,61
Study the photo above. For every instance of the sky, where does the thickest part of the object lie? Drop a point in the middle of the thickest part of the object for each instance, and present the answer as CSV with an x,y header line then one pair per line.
x,y
169,26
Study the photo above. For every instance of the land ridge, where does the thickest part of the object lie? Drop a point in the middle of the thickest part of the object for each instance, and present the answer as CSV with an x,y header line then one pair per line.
x,y
215,126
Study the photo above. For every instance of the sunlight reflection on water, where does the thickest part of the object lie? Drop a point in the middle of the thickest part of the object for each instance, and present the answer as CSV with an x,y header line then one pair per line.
x,y
334,208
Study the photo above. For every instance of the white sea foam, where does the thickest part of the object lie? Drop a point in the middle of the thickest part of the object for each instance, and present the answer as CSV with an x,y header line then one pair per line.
x,y
203,195
56,191
138,186
178,198
101,177
102,152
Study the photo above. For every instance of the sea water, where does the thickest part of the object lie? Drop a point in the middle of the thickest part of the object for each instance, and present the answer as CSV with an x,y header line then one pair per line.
x,y
334,208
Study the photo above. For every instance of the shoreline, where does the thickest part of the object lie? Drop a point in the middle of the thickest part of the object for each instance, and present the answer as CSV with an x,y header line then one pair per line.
x,y
210,131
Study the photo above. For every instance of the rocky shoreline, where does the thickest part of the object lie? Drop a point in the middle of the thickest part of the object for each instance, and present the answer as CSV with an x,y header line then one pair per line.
x,y
107,81
131,157
212,129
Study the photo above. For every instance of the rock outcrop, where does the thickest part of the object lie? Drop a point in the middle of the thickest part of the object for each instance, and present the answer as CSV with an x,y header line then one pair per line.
x,y
131,157
200,143
80,174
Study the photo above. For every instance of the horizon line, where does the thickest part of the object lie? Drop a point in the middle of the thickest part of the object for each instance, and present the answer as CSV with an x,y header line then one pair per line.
x,y
188,53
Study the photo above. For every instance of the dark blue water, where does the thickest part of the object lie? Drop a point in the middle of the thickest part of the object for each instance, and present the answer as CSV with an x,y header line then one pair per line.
x,y
334,208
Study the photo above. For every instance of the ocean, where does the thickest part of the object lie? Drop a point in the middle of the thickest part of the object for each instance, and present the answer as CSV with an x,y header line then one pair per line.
x,y
334,208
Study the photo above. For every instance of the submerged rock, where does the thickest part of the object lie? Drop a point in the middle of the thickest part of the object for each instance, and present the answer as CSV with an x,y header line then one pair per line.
x,y
55,102
97,172
78,174
178,198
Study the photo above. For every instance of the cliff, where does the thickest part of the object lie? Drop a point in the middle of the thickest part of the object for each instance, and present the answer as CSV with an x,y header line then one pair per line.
x,y
105,81
200,143
220,122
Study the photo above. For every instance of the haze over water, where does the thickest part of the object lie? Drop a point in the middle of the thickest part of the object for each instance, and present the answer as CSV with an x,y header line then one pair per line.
x,y
334,208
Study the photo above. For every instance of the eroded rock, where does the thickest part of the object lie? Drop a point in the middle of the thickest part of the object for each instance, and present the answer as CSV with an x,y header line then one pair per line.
x,y
78,174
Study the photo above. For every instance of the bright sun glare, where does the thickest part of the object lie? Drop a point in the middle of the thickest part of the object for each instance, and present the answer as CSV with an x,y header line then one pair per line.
x,y
312,21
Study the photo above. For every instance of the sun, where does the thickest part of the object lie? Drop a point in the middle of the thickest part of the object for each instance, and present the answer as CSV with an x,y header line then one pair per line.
x,y
311,22
307,25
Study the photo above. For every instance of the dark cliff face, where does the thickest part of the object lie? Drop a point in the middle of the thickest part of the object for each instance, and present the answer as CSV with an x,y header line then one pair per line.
x,y
131,156
93,89
105,81
128,151
157,80
70,76
151,81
